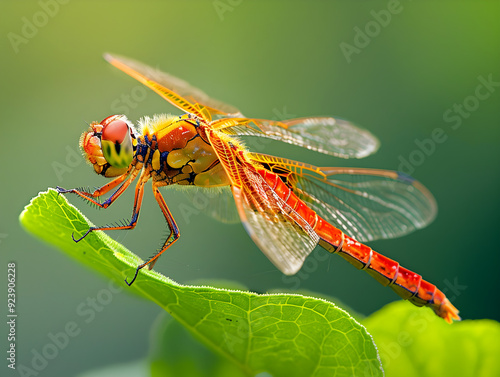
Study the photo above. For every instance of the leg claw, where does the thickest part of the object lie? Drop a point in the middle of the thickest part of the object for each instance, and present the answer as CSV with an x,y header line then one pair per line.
x,y
135,276
82,237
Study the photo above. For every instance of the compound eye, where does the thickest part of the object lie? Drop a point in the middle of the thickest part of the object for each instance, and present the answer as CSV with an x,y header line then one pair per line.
x,y
116,142
115,131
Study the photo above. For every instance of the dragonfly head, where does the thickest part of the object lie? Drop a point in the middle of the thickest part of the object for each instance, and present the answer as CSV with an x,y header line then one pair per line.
x,y
109,145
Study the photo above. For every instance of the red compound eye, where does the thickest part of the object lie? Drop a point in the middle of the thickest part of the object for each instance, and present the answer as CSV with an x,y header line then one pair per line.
x,y
115,130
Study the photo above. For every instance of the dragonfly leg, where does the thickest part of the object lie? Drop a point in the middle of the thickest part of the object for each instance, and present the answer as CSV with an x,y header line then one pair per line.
x,y
98,191
139,192
104,189
173,236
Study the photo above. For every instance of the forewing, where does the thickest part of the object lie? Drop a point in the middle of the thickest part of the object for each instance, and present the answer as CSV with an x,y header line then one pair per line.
x,y
282,235
178,92
366,204
327,135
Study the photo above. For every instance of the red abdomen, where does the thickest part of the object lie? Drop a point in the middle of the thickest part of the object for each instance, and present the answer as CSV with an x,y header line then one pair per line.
x,y
407,284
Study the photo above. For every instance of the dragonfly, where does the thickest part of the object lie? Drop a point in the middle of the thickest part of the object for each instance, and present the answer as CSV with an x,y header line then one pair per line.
x,y
287,207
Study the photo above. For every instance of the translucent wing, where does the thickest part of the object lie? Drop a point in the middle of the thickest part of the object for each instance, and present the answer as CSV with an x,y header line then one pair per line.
x,y
366,204
332,136
327,135
217,202
178,92
282,235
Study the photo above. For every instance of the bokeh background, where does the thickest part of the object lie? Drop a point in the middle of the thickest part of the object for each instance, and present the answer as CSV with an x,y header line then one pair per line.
x,y
271,59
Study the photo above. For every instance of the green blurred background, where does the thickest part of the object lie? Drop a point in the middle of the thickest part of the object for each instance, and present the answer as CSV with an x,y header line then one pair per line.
x,y
270,59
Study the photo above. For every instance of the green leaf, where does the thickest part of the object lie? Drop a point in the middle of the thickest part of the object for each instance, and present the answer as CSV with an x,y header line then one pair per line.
x,y
174,352
283,334
304,292
414,342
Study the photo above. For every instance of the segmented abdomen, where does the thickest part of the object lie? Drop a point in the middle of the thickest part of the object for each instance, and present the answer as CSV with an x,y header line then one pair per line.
x,y
407,284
